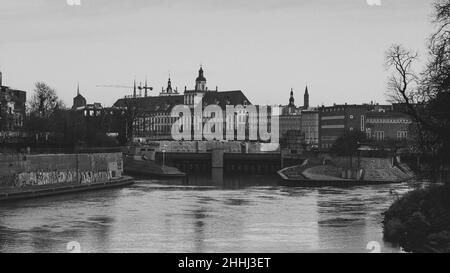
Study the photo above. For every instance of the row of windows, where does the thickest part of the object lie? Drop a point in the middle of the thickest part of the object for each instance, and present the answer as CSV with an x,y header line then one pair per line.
x,y
146,124
189,99
390,121
311,135
310,123
380,135
333,118
327,146
329,138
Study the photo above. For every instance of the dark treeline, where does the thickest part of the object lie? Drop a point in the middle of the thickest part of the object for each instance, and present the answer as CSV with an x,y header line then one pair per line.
x,y
419,221
49,124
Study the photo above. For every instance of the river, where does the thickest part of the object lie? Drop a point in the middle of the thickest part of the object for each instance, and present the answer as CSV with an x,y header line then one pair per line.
x,y
236,214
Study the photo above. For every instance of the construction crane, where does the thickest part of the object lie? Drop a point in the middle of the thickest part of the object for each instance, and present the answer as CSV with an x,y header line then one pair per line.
x,y
140,87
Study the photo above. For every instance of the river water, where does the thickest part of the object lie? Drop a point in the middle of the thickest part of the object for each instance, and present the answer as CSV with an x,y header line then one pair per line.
x,y
240,214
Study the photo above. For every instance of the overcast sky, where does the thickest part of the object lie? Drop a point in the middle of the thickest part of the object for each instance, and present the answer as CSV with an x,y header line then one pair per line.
x,y
263,47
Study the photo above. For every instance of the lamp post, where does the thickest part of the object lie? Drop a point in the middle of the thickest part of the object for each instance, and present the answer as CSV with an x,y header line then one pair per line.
x,y
164,152
358,151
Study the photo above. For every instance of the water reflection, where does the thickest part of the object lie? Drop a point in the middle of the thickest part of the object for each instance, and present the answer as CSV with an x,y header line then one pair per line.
x,y
204,214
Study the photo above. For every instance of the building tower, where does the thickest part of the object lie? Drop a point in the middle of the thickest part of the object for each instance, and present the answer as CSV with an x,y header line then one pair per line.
x,y
169,91
169,87
1,79
306,99
291,99
134,89
79,100
200,82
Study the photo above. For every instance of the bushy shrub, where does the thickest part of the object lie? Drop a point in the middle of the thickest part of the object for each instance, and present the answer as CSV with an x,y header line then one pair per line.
x,y
420,220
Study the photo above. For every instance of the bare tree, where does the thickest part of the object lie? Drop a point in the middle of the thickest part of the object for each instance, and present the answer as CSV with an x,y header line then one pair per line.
x,y
437,73
45,110
44,101
132,110
402,85
426,96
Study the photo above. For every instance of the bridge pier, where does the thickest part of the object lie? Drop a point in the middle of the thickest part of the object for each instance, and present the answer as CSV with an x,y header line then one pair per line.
x,y
217,165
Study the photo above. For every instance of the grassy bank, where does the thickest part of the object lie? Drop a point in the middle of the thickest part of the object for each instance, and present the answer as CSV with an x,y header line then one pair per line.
x,y
420,220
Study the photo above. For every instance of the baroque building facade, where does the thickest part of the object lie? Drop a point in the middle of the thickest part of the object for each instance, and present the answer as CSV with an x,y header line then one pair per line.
x,y
154,118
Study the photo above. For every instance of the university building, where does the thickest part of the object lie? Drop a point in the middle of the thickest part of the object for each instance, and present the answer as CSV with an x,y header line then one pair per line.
x,y
153,118
378,122
382,126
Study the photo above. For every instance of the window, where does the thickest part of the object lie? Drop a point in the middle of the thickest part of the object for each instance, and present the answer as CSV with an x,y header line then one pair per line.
x,y
402,135
369,133
379,135
362,124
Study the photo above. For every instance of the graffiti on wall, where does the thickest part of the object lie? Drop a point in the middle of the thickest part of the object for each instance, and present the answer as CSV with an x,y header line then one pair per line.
x,y
94,177
35,170
60,177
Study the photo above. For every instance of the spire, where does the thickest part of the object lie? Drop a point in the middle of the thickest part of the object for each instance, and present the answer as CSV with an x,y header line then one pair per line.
x,y
306,98
200,73
134,89
79,100
169,86
146,87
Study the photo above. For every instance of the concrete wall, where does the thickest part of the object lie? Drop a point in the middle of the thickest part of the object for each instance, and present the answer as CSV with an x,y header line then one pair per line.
x,y
31,170
365,162
195,146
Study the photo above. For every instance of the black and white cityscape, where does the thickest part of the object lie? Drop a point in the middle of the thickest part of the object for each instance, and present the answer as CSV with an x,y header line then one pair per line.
x,y
195,126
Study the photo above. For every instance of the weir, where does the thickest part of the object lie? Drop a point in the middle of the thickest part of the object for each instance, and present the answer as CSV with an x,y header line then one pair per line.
x,y
248,163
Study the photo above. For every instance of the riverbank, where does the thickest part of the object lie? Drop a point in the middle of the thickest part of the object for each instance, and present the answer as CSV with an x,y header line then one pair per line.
x,y
337,172
420,220
28,176
10,194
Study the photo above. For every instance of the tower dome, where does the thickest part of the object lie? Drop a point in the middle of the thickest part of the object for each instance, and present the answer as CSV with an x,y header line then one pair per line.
x,y
291,98
200,75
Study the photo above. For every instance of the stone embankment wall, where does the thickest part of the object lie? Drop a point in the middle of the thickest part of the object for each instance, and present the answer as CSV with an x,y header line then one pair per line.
x,y
34,170
376,169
